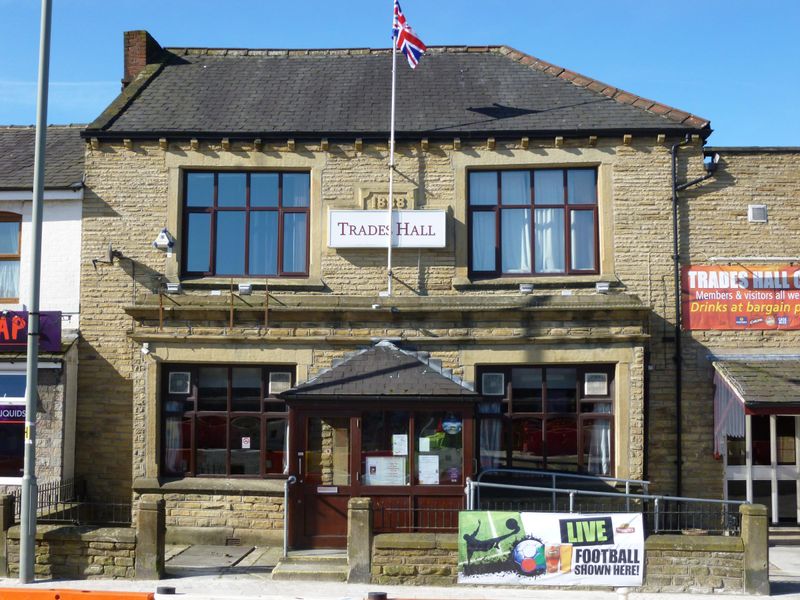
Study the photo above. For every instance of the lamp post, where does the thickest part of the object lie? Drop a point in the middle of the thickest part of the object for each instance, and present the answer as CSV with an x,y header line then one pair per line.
x,y
29,487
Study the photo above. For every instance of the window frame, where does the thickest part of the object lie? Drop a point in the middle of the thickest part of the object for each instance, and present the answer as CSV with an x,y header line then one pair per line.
x,y
9,217
265,415
247,209
581,414
498,207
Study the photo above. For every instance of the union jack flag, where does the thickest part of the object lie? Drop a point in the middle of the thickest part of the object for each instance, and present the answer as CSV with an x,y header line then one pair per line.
x,y
405,39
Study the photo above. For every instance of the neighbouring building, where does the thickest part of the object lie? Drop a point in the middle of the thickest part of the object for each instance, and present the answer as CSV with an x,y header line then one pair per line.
x,y
244,328
59,300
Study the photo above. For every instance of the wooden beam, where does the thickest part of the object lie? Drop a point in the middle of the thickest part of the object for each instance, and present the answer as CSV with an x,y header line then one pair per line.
x,y
661,138
559,141
290,143
194,144
226,144
491,143
324,145
525,142
456,143
627,139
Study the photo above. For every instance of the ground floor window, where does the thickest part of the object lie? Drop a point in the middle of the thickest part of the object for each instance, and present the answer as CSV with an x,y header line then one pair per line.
x,y
547,417
225,420
12,424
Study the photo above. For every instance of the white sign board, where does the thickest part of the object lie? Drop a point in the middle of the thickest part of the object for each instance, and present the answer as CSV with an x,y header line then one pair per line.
x,y
370,228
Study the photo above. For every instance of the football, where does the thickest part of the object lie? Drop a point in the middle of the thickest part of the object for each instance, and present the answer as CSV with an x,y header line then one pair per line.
x,y
529,556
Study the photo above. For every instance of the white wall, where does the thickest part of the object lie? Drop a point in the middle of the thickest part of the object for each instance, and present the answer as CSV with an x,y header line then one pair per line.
x,y
61,255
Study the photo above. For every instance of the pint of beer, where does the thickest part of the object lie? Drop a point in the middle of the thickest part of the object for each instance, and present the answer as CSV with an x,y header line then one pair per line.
x,y
552,555
566,558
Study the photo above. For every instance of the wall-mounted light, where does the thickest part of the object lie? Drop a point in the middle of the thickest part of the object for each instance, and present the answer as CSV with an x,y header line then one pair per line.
x,y
245,289
164,241
710,162
602,287
146,348
173,287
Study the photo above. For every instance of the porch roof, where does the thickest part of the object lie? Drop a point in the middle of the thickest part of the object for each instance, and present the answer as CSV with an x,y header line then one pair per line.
x,y
763,383
384,370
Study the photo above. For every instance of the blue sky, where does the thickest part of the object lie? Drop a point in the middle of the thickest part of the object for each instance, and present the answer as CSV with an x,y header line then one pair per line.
x,y
734,62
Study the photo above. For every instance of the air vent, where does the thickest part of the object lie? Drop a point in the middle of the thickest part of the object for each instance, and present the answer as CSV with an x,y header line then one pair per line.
x,y
757,213
279,382
233,541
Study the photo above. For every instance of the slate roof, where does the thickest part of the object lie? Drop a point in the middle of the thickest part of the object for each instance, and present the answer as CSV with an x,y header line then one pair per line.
x,y
384,370
63,163
763,383
456,91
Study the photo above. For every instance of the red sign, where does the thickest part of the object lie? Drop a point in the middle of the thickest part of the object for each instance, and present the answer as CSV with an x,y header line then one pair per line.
x,y
736,297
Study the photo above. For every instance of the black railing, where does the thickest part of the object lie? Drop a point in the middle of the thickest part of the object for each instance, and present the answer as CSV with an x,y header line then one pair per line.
x,y
66,501
387,519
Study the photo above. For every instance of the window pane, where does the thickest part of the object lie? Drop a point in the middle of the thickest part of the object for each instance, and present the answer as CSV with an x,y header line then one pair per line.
x,y
198,242
526,444
785,440
211,445
439,448
483,241
384,448
516,187
294,242
246,390
296,189
492,452
483,187
232,189
12,449
581,186
9,237
597,446
548,186
245,446
328,453
516,235
277,449
582,243
9,279
549,240
264,189
562,390
263,242
230,243
561,436
12,386
200,189
526,385
177,438
212,392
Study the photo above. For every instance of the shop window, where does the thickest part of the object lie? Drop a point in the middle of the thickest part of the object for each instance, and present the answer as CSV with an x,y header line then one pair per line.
x,y
246,224
12,424
439,442
222,420
550,417
533,222
10,237
384,448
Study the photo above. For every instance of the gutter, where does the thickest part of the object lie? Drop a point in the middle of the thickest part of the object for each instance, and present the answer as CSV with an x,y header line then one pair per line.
x,y
676,261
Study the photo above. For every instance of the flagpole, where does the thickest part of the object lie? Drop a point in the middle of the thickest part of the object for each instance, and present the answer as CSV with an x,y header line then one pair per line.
x,y
390,207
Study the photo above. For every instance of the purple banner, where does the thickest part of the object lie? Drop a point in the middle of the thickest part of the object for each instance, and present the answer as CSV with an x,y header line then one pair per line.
x,y
12,413
14,330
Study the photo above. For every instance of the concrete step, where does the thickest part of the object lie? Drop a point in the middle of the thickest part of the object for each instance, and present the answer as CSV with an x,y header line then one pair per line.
x,y
305,569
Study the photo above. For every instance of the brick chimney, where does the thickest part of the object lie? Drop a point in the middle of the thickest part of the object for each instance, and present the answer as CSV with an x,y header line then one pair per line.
x,y
141,49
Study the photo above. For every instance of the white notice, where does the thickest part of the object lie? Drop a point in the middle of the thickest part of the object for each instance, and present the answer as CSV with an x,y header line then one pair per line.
x,y
400,445
424,444
428,465
245,443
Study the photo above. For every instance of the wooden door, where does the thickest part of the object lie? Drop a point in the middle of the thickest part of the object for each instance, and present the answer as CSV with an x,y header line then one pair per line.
x,y
324,478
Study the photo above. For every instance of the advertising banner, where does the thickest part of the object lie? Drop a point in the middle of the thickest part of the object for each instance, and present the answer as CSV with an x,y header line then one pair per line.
x,y
12,413
561,549
14,330
734,297
369,229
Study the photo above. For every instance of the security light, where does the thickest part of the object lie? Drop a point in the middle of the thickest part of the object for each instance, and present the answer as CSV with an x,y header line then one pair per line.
x,y
710,162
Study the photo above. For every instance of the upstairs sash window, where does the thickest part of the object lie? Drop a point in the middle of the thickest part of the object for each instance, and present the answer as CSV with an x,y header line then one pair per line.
x,y
533,222
10,235
246,224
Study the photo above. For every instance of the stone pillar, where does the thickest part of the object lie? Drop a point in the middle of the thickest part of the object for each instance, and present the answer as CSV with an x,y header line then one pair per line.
x,y
359,540
755,537
150,538
6,521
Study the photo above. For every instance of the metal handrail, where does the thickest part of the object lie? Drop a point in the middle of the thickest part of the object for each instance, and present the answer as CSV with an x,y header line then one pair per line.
x,y
291,480
472,486
554,475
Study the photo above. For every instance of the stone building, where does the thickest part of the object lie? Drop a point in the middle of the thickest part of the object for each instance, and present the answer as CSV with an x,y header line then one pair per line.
x,y
59,300
248,330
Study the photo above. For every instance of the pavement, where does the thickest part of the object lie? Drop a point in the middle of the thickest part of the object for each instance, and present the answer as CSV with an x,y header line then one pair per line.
x,y
254,582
